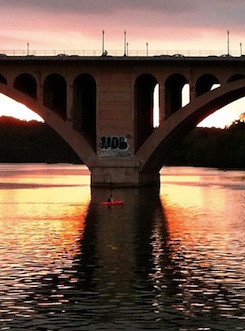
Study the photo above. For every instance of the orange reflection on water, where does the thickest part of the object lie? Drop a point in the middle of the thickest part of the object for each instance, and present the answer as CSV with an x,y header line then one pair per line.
x,y
198,231
190,200
43,212
204,255
42,238
38,252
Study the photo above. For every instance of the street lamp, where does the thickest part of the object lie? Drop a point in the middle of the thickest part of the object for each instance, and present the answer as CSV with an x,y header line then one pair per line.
x,y
125,43
103,41
228,42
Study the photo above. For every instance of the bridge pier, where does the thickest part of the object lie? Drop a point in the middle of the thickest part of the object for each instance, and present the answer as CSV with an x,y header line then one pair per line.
x,y
123,175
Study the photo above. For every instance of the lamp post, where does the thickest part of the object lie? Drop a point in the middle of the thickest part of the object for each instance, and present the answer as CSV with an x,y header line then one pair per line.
x,y
125,43
228,42
103,42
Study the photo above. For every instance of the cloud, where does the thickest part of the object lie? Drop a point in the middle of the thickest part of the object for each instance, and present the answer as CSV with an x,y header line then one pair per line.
x,y
174,12
175,24
145,13
96,7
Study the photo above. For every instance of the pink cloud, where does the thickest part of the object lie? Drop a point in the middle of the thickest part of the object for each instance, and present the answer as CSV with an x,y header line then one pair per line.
x,y
162,23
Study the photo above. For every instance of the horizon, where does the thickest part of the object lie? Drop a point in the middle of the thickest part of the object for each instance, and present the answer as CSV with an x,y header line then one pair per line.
x,y
241,118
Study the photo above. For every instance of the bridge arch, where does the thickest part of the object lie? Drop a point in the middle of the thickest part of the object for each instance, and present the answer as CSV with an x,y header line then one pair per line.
x,y
235,77
3,80
54,94
77,141
144,104
84,106
173,93
26,83
205,83
174,128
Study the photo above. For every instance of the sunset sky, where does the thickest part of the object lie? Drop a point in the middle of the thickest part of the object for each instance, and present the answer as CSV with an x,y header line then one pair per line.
x,y
167,25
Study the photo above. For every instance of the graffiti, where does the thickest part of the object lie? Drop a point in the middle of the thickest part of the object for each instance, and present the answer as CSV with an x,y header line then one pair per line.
x,y
113,142
110,154
113,146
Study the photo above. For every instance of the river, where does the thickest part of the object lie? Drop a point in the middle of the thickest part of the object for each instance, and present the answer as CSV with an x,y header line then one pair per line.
x,y
169,261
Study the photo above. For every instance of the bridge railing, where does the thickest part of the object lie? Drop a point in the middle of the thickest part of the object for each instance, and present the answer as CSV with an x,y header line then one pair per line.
x,y
145,52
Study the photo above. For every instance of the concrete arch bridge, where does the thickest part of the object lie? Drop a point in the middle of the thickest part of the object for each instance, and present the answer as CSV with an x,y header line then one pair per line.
x,y
103,106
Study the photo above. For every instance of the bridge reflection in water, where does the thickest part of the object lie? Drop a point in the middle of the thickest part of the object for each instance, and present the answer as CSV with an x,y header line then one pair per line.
x,y
155,262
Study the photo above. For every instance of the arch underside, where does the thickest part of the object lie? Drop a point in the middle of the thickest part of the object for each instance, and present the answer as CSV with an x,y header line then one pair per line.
x,y
144,104
179,124
75,139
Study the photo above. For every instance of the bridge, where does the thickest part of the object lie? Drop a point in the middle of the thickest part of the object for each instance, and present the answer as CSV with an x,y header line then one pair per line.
x,y
103,106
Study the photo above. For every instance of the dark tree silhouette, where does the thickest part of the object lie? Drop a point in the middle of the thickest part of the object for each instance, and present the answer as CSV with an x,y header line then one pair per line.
x,y
32,142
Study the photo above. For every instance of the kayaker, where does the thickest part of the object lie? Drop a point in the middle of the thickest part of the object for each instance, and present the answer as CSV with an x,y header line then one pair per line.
x,y
110,199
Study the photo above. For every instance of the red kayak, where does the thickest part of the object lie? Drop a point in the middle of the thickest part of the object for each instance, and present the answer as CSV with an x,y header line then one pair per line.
x,y
110,203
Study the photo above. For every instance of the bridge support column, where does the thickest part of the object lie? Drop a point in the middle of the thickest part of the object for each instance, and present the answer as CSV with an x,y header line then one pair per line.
x,y
125,175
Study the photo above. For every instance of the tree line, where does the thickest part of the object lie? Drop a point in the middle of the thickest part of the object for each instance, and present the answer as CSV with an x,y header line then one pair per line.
x,y
36,142
211,147
32,142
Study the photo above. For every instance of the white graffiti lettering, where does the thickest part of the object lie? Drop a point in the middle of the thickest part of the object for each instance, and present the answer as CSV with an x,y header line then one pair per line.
x,y
110,154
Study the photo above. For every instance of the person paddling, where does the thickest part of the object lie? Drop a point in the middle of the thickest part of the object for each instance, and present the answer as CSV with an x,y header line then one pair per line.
x,y
110,199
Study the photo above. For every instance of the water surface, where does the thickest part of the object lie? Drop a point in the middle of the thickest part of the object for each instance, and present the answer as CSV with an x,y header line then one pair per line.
x,y
173,261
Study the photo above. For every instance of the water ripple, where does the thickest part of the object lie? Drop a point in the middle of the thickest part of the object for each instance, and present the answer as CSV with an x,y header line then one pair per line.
x,y
147,266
